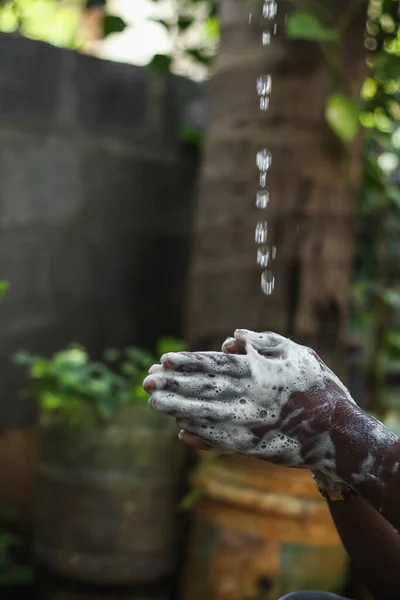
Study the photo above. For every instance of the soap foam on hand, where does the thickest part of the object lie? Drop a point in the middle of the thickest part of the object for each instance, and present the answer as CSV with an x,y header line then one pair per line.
x,y
228,399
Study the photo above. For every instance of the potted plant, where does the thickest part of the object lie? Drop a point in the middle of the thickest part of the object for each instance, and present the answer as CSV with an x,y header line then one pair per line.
x,y
108,468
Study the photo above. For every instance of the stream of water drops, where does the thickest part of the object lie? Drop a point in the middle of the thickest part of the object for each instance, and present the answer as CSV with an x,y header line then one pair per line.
x,y
265,253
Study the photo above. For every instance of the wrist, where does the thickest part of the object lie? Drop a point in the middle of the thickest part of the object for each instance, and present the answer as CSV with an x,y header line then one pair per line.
x,y
365,449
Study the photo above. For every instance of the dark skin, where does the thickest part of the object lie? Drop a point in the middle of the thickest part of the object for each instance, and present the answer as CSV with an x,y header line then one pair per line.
x,y
368,523
362,455
372,544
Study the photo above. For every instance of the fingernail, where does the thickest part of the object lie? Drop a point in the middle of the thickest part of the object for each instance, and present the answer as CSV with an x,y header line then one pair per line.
x,y
152,402
228,342
149,385
167,363
230,347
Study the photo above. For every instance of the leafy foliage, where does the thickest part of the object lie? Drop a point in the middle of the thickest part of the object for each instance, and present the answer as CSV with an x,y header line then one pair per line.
x,y
112,24
191,136
161,64
194,35
53,21
304,26
69,378
376,291
343,116
47,20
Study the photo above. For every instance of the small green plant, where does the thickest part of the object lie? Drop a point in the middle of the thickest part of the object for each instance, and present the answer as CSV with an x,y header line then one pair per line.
x,y
69,379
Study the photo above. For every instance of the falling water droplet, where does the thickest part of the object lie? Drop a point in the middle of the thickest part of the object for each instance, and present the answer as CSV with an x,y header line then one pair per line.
x,y
275,28
267,282
261,232
270,9
266,38
264,85
263,179
263,159
250,17
263,256
262,199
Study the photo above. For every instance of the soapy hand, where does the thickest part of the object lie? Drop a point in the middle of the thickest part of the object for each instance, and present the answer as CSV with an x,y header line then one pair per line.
x,y
264,396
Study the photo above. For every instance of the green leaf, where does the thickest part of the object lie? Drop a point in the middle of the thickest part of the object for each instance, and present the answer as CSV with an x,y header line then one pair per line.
x,y
191,498
386,66
212,28
161,64
184,23
200,55
4,287
394,195
191,136
50,401
23,358
169,344
343,116
392,298
113,24
40,369
129,369
393,338
140,358
303,26
140,393
73,356
112,355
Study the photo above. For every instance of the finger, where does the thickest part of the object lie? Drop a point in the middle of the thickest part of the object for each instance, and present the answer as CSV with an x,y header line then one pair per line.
x,y
194,441
156,369
266,343
182,408
194,385
222,441
232,346
215,363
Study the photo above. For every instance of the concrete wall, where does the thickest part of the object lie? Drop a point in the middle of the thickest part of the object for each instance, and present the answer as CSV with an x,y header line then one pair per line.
x,y
95,205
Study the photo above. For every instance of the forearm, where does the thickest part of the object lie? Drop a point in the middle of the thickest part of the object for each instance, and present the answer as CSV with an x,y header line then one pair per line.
x,y
372,543
368,460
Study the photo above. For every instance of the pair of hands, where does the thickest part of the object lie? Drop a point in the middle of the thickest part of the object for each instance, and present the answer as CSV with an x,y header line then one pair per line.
x,y
263,396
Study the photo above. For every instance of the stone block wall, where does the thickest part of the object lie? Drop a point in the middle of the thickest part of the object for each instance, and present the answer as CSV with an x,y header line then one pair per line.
x,y
96,193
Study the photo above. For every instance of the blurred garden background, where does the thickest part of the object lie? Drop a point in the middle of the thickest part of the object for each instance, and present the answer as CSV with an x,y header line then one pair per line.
x,y
129,131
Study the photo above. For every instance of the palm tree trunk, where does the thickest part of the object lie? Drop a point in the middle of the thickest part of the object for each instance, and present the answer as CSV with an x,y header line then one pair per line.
x,y
311,211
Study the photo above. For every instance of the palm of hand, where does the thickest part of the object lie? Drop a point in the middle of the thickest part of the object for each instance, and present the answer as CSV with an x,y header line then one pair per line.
x,y
275,402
